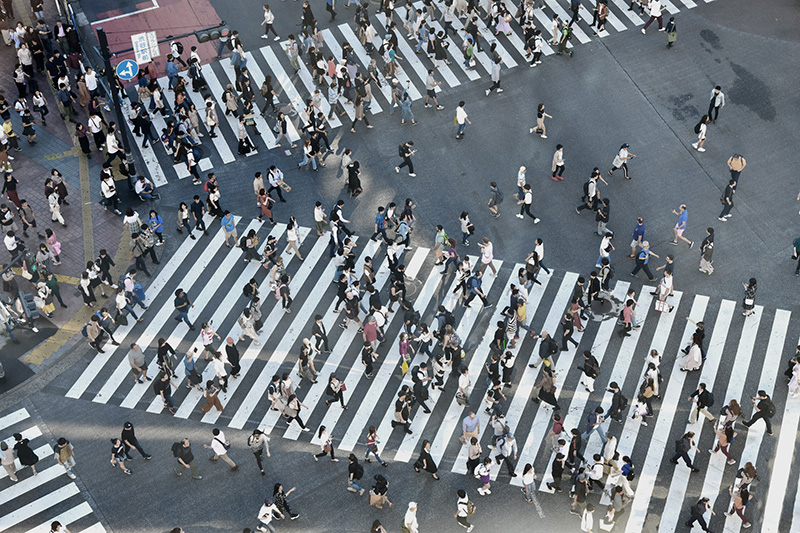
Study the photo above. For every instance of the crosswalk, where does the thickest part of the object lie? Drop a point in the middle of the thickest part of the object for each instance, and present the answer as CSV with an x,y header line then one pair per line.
x,y
742,356
294,90
32,503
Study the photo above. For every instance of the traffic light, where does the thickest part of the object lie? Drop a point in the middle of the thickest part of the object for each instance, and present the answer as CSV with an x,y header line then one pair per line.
x,y
212,34
28,305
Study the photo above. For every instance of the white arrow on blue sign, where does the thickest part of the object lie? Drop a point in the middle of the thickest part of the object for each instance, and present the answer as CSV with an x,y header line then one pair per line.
x,y
127,70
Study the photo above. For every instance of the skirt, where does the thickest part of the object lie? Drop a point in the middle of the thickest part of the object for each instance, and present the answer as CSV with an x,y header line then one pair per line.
x,y
320,226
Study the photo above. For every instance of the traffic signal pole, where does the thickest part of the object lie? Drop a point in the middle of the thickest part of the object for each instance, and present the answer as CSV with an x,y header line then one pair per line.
x,y
121,128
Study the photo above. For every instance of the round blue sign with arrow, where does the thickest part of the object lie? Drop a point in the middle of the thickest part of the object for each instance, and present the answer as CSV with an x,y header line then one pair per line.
x,y
127,70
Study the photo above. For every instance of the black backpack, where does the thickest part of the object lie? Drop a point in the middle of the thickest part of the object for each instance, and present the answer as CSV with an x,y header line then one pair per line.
x,y
401,150
176,449
710,401
359,471
770,410
586,190
179,47
243,242
697,127
414,373
679,446
412,316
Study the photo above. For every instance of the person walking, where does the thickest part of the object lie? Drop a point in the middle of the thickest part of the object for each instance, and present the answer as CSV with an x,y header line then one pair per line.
x,y
24,453
736,164
558,164
763,409
540,128
462,119
703,399
727,200
697,511
326,442
680,226
269,20
8,461
682,447
410,524
355,472
741,500
258,443
495,199
266,515
526,201
495,76
749,300
425,460
118,455
220,445
129,440
642,259
464,509
621,160
654,9
706,252
182,450
700,129
65,456
506,448
406,152
672,32
716,102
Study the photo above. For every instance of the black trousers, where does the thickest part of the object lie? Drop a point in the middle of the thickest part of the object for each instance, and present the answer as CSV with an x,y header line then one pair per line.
x,y
684,455
526,209
762,416
713,109
275,188
322,340
407,163
640,265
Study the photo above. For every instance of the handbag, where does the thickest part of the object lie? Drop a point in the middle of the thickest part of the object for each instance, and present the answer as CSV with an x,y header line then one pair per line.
x,y
374,499
471,229
749,301
226,445
121,319
662,307
343,387
326,448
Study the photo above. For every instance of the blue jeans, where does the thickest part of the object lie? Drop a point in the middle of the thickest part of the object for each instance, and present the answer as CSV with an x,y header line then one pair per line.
x,y
135,299
172,81
129,309
599,431
464,238
10,329
461,127
306,160
168,399
369,451
355,486
184,315
448,263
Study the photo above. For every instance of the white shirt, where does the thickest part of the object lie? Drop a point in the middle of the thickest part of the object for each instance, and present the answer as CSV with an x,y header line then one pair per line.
x,y
111,144
462,505
121,300
703,128
91,80
655,8
528,477
216,443
463,382
10,242
539,251
95,124
521,178
265,513
319,214
461,115
603,246
487,253
275,177
528,199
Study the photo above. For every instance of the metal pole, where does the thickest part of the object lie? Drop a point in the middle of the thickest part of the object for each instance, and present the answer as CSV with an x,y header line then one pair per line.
x,y
126,145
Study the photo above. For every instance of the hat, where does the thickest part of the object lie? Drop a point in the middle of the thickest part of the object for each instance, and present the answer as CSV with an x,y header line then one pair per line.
x,y
626,145
229,340
128,425
412,505
268,501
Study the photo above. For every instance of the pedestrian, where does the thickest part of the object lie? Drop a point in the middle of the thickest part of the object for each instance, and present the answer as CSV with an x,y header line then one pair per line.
x,y
764,409
727,200
220,445
327,444
119,455
748,302
716,102
487,255
462,119
540,116
495,76
736,164
703,399
725,439
425,460
654,9
8,461
258,443
682,448
495,199
482,472
526,201
129,440
741,500
558,164
642,259
269,20
697,511
182,304
464,508
182,451
700,129
602,214
24,453
406,152
680,226
706,251
476,290
557,470
672,32
621,159
507,452
266,515
65,455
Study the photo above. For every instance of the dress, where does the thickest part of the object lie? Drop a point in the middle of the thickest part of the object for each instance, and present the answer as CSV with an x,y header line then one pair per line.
x,y
574,308
503,25
794,383
748,302
426,459
694,359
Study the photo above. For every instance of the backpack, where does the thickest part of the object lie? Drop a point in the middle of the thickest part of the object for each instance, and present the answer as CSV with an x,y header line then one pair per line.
x,y
471,507
770,410
449,319
247,290
176,449
278,290
83,330
586,190
414,372
412,316
179,47
359,471
710,402
499,196
401,150
679,446
243,242
623,402
697,127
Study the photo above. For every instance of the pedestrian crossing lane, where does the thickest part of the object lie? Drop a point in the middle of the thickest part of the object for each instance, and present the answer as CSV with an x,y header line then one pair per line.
x,y
353,377
358,424
455,410
532,305
680,476
271,323
757,433
334,358
296,329
401,71
661,433
453,48
779,480
230,304
419,419
574,415
308,81
336,52
365,59
181,330
155,287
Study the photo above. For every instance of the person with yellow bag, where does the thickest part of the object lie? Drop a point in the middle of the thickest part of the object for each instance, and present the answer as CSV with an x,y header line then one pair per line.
x,y
406,351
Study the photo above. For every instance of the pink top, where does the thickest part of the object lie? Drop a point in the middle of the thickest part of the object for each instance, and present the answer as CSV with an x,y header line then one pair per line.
x,y
54,244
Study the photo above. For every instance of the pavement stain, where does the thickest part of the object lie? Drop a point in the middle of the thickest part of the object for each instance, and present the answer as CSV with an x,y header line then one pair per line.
x,y
681,109
711,38
750,91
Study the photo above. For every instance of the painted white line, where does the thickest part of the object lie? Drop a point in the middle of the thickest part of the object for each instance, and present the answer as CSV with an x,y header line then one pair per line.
x,y
124,15
443,68
215,86
335,412
661,435
566,17
41,451
14,418
65,518
282,78
264,129
611,17
95,528
534,299
31,483
362,55
37,506
454,49
400,71
716,463
773,360
154,288
308,82
219,142
148,155
632,14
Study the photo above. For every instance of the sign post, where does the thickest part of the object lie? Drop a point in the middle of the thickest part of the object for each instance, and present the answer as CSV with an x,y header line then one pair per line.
x,y
127,70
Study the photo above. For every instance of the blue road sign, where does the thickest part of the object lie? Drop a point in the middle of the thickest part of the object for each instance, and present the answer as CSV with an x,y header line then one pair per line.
x,y
127,70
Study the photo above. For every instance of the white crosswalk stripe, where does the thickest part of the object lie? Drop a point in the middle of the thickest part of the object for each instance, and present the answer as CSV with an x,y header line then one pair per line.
x,y
733,344
34,501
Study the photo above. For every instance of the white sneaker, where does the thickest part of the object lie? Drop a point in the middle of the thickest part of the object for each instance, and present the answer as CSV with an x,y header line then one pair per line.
x,y
543,136
397,169
264,37
701,149
487,92
694,145
536,220
530,130
276,38
519,216
644,32
499,90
